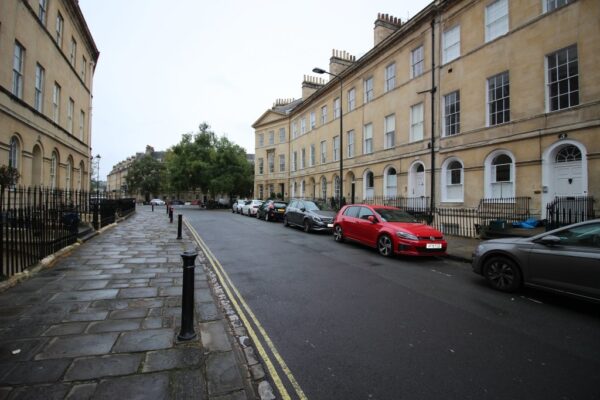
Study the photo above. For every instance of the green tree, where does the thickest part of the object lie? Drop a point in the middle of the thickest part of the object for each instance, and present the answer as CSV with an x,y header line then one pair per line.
x,y
213,165
145,176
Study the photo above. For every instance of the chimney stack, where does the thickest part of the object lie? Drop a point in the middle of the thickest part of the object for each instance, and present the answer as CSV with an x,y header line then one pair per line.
x,y
385,25
339,61
311,84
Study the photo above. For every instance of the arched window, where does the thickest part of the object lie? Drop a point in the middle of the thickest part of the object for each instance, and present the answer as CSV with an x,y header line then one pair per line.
x,y
302,189
54,170
336,186
324,188
13,153
391,182
416,180
452,181
69,174
80,176
500,175
369,183
568,153
294,189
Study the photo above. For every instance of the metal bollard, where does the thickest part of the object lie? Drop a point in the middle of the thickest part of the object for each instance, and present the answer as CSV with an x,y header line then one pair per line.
x,y
167,205
179,224
171,215
187,297
152,207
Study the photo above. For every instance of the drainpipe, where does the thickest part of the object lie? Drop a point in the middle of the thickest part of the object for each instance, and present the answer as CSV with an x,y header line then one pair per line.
x,y
432,91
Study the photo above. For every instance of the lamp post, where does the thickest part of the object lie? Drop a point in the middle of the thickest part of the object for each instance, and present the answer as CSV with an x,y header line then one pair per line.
x,y
341,194
98,172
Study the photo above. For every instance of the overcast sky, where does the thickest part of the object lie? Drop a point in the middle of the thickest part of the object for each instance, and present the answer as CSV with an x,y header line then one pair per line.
x,y
166,66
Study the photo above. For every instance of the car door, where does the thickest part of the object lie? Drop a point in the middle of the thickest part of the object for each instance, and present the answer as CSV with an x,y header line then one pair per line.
x,y
292,211
573,264
366,231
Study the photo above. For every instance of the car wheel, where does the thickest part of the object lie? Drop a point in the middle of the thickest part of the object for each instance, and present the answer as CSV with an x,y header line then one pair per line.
x,y
267,216
306,226
384,245
257,215
502,274
338,235
285,222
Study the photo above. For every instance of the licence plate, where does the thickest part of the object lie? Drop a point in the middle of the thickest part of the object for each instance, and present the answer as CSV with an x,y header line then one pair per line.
x,y
433,246
330,225
281,209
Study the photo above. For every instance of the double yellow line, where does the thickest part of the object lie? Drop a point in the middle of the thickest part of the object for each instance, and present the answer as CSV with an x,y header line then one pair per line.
x,y
250,320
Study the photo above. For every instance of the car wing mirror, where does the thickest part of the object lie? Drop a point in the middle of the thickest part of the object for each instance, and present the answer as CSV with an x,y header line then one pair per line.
x,y
372,219
549,240
303,209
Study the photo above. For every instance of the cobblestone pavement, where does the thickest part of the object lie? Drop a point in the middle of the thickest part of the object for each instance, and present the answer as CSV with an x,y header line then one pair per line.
x,y
102,323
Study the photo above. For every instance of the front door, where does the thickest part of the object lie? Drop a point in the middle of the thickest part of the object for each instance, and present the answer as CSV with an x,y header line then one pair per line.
x,y
568,179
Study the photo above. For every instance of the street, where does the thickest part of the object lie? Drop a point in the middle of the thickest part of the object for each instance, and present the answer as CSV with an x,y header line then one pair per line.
x,y
350,324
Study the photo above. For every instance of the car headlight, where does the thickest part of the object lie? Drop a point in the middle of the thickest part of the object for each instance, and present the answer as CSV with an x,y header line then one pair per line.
x,y
317,219
406,235
478,250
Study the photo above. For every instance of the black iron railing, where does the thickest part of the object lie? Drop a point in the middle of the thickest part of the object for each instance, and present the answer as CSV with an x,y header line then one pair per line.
x,y
566,210
36,222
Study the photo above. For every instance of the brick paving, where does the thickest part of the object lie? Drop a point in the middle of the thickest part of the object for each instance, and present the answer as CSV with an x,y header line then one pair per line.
x,y
102,323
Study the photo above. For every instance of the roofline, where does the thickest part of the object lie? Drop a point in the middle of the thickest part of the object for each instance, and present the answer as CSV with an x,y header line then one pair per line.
x,y
74,4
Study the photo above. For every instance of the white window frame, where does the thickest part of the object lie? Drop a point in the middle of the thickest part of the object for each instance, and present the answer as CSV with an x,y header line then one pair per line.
x,y
271,161
351,99
496,19
451,110
336,148
368,138
452,192
389,131
54,170
14,153
368,89
490,174
294,129
56,103
18,65
302,125
390,185
70,112
417,125
73,53
350,143
551,5
282,163
294,161
281,135
303,158
451,44
38,101
505,79
323,151
313,120
81,124
324,188
261,139
337,108
324,115
261,166
417,62
271,137
312,155
553,78
69,174
390,77
43,11
60,24
368,187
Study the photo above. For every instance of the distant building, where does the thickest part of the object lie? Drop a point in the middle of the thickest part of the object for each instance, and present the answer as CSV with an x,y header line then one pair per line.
x,y
116,181
48,57
467,100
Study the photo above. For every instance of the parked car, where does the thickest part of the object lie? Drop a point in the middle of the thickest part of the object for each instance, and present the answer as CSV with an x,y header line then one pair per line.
x,y
389,229
157,202
251,207
272,210
565,260
177,202
235,205
240,204
309,215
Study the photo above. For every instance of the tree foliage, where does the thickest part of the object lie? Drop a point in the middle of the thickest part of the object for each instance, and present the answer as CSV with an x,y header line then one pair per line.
x,y
145,176
213,165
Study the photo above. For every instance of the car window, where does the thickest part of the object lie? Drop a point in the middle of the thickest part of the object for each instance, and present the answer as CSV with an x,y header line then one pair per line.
x,y
279,205
364,213
352,212
586,235
310,206
394,215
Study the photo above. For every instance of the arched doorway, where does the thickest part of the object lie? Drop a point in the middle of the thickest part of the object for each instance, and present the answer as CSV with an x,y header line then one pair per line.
x,y
416,180
36,166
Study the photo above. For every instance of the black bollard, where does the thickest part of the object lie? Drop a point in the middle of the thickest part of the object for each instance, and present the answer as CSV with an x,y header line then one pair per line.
x,y
179,223
167,205
187,297
152,207
171,215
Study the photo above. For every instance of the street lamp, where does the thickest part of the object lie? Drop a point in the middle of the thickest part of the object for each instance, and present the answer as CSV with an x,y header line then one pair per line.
x,y
98,172
341,194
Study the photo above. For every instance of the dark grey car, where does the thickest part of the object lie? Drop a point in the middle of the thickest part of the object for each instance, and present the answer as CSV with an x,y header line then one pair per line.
x,y
309,216
565,260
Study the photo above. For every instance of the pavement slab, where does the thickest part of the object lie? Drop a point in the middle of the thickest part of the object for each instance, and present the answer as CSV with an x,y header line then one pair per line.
x,y
145,340
177,358
36,372
223,374
77,346
134,387
103,366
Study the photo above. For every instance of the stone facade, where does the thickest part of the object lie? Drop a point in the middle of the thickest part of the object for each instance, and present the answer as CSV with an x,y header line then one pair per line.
x,y
49,57
511,99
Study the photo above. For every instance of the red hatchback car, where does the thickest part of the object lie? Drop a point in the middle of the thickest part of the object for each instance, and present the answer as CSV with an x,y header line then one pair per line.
x,y
389,229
